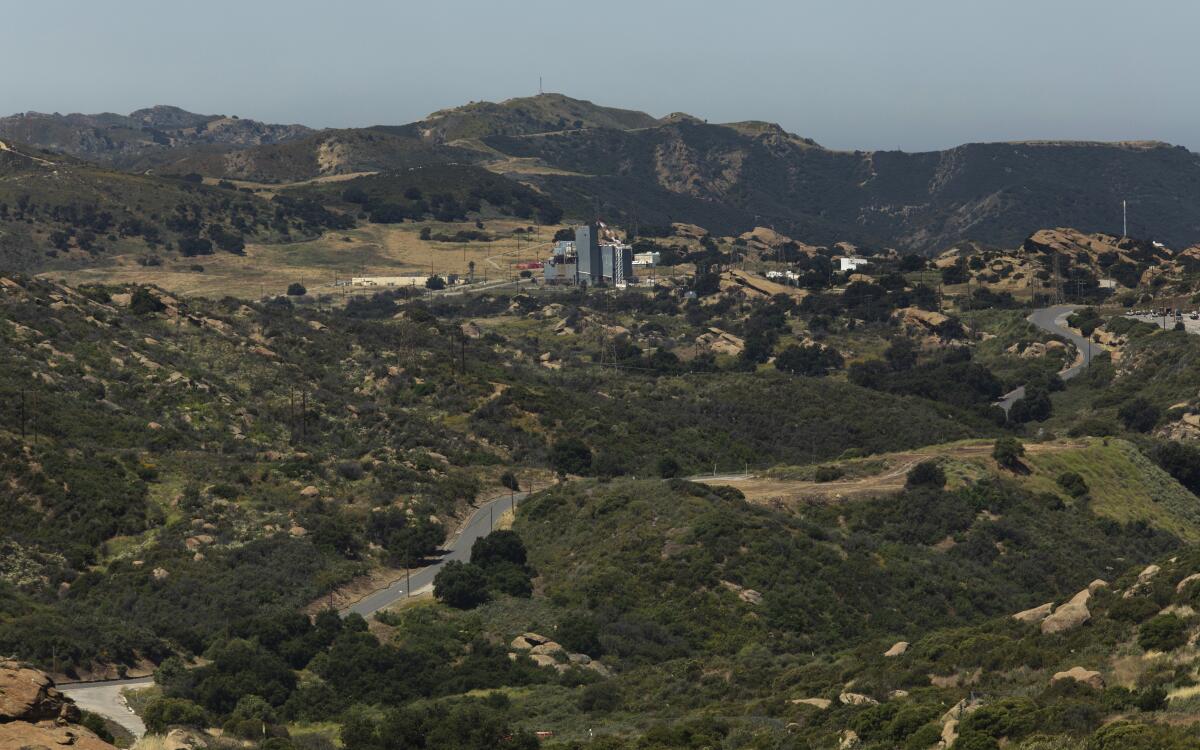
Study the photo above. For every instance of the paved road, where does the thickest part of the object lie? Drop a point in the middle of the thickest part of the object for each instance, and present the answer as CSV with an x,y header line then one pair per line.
x,y
1053,320
458,548
105,698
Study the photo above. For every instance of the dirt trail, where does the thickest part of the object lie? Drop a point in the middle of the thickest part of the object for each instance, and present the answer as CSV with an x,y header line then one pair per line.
x,y
763,489
5,147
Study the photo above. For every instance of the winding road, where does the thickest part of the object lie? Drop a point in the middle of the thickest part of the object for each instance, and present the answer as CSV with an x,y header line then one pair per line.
x,y
105,697
1053,320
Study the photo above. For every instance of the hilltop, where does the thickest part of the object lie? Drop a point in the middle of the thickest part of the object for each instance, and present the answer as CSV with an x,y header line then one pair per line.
x,y
725,177
529,115
124,140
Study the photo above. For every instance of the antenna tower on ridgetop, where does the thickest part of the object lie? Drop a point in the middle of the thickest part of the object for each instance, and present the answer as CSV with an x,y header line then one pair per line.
x,y
540,92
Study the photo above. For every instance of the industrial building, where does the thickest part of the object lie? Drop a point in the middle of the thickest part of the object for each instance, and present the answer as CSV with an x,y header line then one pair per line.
x,y
589,262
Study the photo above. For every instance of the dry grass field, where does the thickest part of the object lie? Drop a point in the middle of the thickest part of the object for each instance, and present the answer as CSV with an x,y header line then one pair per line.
x,y
371,250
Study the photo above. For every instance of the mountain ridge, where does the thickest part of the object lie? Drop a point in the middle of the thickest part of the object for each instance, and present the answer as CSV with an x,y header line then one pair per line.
x,y
678,168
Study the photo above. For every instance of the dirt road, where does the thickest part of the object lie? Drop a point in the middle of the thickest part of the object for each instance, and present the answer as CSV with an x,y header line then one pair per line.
x,y
762,489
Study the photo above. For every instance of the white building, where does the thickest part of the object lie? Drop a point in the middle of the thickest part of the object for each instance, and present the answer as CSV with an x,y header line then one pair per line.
x,y
851,263
647,259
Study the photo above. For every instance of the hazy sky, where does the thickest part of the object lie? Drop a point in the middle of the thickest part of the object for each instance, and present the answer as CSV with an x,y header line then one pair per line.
x,y
914,74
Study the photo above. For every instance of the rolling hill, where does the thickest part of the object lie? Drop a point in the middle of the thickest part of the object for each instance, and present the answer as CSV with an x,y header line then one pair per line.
x,y
725,177
124,140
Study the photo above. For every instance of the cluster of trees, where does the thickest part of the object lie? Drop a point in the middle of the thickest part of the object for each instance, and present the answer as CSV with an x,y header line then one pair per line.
x,y
499,565
446,193
953,377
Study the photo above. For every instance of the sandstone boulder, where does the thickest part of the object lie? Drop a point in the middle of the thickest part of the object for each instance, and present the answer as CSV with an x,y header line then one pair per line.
x,y
898,648
1148,574
549,648
1067,617
821,703
1088,677
21,735
1036,614
27,694
526,641
849,740
544,660
309,491
1097,585
184,739
857,699
35,715
1179,587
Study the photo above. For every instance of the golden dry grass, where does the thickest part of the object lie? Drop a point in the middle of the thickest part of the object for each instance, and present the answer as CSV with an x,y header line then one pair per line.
x,y
372,249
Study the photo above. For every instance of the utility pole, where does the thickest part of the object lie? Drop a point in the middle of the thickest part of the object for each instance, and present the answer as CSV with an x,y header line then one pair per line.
x,y
1124,220
22,415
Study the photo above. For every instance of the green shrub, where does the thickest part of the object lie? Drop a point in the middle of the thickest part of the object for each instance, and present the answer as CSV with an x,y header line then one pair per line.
x,y
600,697
828,474
1163,633
926,474
163,713
1008,451
668,467
461,585
1072,483
1139,414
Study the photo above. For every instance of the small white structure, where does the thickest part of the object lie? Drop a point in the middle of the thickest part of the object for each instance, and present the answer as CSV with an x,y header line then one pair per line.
x,y
388,280
851,263
647,259
1108,283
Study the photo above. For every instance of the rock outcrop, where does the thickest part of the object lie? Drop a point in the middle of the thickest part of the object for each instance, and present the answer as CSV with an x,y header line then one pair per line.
x,y
897,649
857,699
35,715
1070,615
1088,677
1035,614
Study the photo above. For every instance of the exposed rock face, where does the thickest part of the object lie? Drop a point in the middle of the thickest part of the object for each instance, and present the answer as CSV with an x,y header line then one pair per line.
x,y
526,641
1036,614
1070,615
28,695
897,649
750,596
821,703
1088,677
34,715
1144,578
1179,587
184,739
1067,617
857,699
